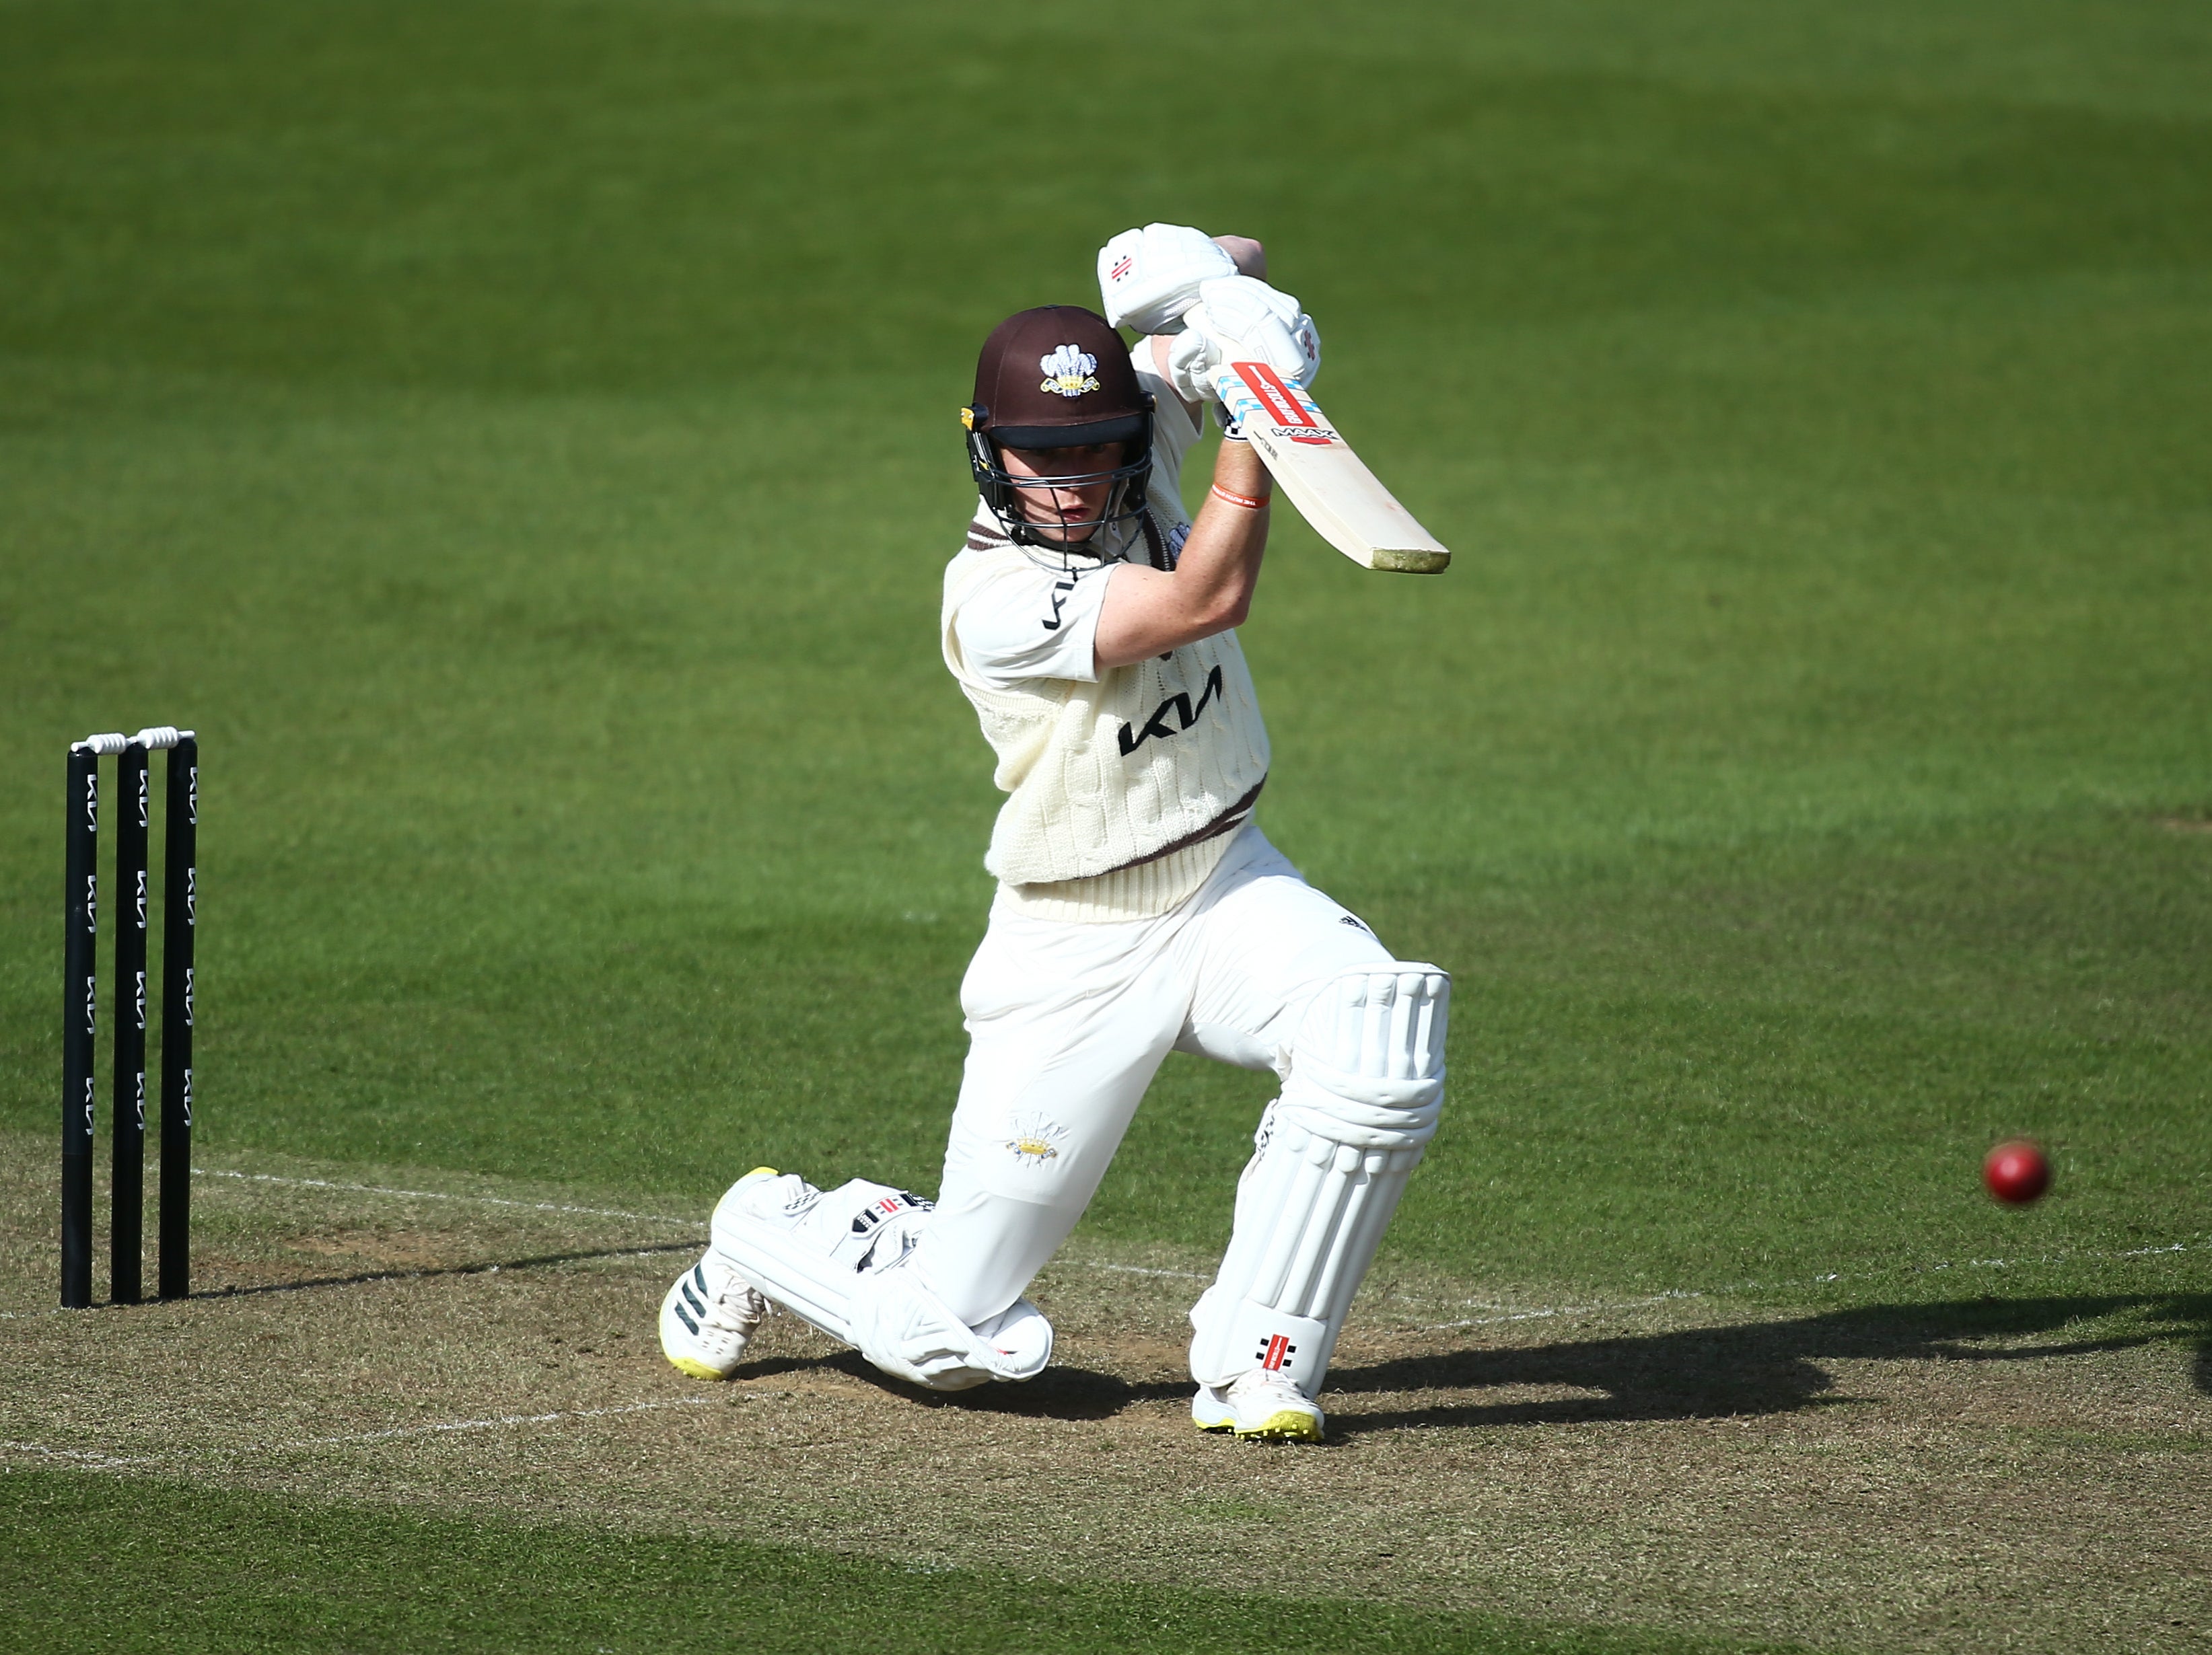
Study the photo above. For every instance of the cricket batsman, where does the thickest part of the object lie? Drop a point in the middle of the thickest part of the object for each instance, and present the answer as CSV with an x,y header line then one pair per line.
x,y
1141,909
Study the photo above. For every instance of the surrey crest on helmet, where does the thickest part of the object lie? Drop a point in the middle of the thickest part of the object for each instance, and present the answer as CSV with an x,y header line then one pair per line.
x,y
1069,371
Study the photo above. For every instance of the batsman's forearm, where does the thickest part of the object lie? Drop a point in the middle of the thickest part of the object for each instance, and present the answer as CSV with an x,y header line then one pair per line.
x,y
1240,471
1247,253
1148,610
1221,559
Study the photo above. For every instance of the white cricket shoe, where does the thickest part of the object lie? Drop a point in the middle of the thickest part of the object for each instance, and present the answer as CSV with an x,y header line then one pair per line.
x,y
1258,1406
707,1318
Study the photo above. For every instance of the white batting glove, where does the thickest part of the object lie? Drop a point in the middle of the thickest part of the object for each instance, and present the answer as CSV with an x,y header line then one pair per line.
x,y
1148,278
1238,318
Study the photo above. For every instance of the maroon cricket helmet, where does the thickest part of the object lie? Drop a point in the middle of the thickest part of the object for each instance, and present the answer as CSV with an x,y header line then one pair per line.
x,y
1058,377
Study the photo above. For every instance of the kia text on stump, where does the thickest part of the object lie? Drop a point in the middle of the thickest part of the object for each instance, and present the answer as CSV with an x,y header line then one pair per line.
x,y
80,1014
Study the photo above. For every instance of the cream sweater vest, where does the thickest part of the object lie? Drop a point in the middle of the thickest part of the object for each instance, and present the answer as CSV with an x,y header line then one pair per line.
x,y
1122,792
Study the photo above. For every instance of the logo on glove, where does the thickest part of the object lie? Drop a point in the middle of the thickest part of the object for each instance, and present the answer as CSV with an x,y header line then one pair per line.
x,y
1069,371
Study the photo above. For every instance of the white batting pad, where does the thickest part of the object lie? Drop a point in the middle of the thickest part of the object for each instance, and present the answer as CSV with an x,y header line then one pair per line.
x,y
1333,1156
835,1258
1368,1065
1148,278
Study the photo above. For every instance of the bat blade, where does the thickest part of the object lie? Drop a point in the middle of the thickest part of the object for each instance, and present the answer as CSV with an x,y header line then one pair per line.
x,y
1330,485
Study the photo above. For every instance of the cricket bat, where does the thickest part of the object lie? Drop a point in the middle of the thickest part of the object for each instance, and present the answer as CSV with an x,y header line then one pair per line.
x,y
1328,483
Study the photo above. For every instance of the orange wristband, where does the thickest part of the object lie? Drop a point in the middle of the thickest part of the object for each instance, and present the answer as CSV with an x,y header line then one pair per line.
x,y
1244,500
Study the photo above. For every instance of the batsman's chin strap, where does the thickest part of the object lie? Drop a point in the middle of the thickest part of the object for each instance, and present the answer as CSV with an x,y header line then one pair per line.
x,y
1157,551
1079,558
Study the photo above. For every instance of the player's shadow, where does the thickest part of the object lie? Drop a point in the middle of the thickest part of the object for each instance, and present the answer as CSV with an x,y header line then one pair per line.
x,y
1070,1393
1756,1367
430,1272
1061,1392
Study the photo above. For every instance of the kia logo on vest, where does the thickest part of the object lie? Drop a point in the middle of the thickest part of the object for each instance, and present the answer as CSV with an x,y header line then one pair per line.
x,y
1180,705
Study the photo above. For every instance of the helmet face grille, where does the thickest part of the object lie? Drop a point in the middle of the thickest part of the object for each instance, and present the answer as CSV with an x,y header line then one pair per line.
x,y
1125,503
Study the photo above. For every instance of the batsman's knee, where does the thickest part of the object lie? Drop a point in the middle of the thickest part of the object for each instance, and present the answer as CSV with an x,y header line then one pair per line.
x,y
1367,1066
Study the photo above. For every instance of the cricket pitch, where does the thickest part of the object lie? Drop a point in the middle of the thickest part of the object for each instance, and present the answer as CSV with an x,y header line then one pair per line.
x,y
2021,1472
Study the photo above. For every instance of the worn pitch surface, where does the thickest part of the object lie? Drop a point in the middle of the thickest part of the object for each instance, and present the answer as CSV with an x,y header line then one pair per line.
x,y
2026,1472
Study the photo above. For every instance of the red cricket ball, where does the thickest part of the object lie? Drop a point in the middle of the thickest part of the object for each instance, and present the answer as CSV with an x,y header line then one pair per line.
x,y
2017,1173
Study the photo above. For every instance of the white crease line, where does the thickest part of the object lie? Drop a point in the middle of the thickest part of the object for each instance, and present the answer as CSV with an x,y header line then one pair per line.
x,y
1137,1270
93,1458
490,1424
1194,1275
68,1453
1539,1314
441,1195
2198,1245
1811,1281
1561,1310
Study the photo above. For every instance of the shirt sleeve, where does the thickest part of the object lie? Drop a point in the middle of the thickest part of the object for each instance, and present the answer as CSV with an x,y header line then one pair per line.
x,y
1023,622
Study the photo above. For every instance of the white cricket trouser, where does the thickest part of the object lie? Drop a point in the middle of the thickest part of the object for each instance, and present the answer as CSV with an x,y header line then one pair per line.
x,y
1068,1023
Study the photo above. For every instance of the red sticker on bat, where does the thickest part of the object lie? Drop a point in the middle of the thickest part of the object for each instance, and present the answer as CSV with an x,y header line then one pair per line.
x,y
1288,406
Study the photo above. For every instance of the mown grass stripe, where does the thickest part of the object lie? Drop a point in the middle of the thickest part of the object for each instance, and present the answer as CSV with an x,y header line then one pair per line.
x,y
154,1565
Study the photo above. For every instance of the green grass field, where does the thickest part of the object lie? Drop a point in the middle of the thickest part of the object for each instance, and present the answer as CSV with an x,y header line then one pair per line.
x,y
518,435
